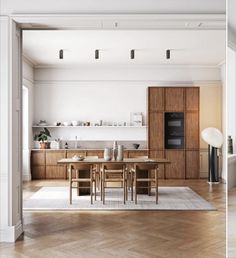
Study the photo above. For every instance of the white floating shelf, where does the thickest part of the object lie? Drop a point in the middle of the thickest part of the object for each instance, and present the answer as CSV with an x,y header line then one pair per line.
x,y
92,126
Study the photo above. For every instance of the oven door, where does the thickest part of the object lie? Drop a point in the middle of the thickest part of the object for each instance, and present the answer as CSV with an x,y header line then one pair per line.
x,y
174,143
174,124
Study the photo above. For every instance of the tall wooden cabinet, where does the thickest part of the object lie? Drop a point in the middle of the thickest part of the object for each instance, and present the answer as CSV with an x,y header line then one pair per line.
x,y
184,162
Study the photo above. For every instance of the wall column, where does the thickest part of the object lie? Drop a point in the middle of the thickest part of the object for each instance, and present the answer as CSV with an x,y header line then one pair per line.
x,y
11,226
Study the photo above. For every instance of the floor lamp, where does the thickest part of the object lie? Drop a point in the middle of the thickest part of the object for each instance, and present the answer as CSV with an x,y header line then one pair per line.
x,y
214,138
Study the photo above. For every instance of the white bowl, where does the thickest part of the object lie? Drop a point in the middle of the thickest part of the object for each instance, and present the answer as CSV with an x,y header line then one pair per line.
x,y
66,123
75,123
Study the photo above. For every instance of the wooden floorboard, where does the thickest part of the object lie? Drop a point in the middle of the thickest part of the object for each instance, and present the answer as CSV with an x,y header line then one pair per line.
x,y
164,234
232,223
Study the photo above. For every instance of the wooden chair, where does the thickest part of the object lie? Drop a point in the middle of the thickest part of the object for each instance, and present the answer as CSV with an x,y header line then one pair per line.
x,y
149,180
90,180
131,176
97,171
114,173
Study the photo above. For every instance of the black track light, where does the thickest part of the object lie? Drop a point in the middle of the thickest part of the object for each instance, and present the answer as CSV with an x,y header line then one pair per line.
x,y
168,54
61,54
96,54
132,54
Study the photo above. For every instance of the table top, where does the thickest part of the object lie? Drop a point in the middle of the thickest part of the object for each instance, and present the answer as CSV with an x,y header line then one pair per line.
x,y
124,161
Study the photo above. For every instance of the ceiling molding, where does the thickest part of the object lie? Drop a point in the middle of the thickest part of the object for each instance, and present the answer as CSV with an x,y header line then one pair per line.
x,y
122,21
131,66
135,83
29,60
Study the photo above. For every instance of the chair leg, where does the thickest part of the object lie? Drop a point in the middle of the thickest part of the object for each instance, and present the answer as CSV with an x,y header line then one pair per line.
x,y
124,188
101,184
103,187
77,177
95,190
70,185
132,185
135,190
156,182
149,183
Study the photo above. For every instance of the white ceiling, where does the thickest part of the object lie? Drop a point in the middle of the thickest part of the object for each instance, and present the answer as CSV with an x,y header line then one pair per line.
x,y
189,47
108,6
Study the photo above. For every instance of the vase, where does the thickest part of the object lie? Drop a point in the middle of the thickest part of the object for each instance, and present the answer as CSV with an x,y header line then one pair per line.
x,y
120,155
107,154
115,150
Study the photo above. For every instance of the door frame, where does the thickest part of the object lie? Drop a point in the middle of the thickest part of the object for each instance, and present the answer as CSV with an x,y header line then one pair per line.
x,y
11,223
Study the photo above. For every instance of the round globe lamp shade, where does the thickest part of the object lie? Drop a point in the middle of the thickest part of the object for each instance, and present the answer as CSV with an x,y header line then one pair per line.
x,y
213,137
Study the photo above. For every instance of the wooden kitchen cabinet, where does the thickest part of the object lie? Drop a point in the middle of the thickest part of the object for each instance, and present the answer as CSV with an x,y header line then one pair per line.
x,y
53,156
138,153
192,136
155,155
192,164
174,99
98,153
56,172
156,131
37,157
176,169
192,99
38,172
156,99
72,153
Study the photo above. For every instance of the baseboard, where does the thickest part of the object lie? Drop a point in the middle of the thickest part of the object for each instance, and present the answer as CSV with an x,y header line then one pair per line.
x,y
26,177
10,234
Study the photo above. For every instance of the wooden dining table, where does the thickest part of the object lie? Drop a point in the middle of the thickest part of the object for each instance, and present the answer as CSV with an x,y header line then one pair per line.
x,y
129,162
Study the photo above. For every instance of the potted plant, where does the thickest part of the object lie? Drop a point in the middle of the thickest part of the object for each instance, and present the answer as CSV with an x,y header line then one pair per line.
x,y
42,137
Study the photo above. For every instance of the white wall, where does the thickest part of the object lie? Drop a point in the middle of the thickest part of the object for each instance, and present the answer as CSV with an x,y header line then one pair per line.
x,y
111,93
28,82
231,95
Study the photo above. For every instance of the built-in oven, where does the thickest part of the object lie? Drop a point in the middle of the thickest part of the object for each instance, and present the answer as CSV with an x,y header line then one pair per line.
x,y
174,130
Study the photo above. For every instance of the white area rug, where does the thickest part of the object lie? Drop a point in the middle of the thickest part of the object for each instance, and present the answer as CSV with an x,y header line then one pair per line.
x,y
170,198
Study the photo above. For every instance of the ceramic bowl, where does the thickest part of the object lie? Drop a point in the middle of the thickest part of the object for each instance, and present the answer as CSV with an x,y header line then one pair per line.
x,y
136,145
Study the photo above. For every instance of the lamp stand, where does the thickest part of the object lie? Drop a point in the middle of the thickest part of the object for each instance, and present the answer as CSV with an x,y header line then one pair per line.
x,y
213,166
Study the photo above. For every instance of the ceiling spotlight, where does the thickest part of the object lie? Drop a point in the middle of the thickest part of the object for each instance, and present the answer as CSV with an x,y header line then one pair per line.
x,y
132,54
61,54
168,54
96,54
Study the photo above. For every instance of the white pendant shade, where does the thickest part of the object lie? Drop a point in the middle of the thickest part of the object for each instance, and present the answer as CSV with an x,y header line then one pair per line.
x,y
213,137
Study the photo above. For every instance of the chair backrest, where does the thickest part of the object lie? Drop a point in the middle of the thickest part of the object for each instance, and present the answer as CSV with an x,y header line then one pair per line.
x,y
147,166
81,167
113,166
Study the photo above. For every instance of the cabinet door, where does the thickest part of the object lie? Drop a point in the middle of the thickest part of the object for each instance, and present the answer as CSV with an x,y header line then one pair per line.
x,y
98,153
174,99
159,154
52,156
138,153
156,99
192,164
38,172
204,163
192,130
156,131
192,99
56,172
176,169
71,153
38,157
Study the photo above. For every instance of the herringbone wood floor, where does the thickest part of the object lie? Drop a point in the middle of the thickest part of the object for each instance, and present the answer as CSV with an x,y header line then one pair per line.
x,y
162,234
232,223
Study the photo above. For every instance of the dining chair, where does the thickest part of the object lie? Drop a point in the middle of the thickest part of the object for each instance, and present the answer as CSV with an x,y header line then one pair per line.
x,y
114,173
97,171
131,176
84,174
152,182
